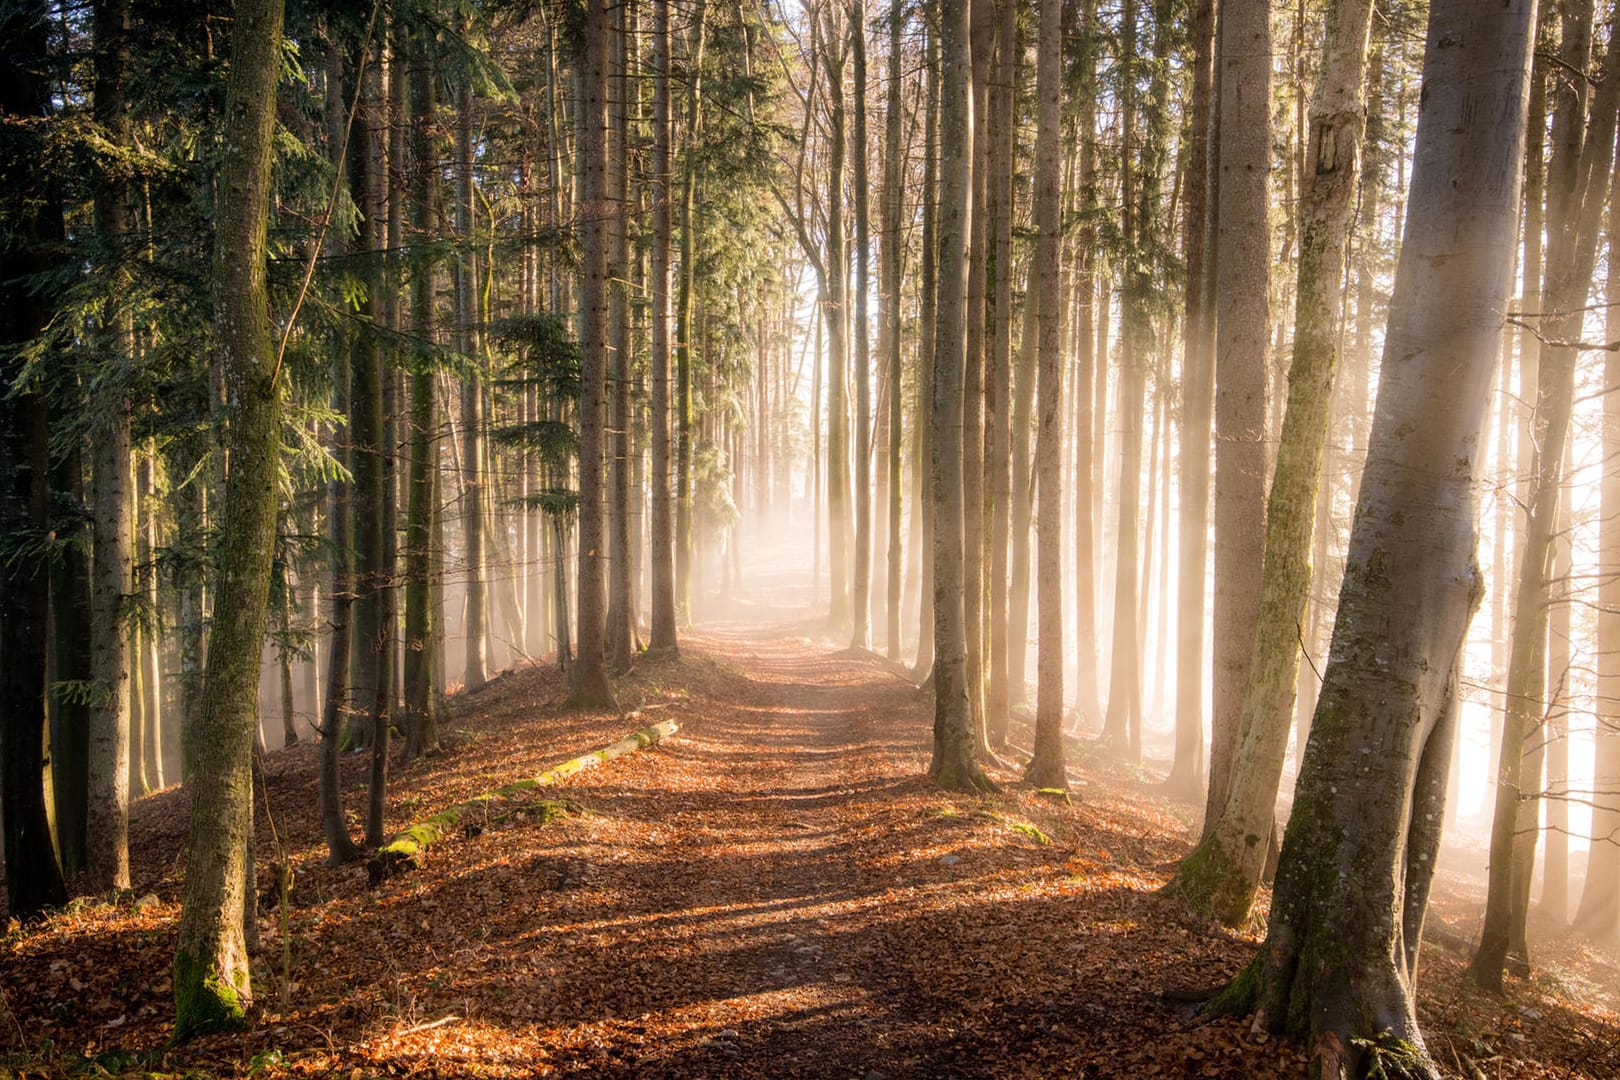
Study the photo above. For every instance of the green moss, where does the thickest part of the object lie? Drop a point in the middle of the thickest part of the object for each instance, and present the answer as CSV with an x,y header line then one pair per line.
x,y
1017,825
1390,1057
1056,794
1211,884
203,1001
1243,994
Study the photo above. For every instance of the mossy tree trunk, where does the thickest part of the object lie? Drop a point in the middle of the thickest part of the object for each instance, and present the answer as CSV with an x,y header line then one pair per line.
x,y
1339,960
1224,872
212,984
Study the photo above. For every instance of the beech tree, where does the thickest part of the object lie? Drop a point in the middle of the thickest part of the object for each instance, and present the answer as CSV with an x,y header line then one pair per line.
x,y
1339,962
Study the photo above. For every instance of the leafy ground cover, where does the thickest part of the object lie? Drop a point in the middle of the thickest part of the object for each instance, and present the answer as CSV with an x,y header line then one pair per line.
x,y
776,891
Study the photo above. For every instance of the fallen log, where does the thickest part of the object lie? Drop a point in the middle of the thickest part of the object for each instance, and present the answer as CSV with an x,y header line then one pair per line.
x,y
403,852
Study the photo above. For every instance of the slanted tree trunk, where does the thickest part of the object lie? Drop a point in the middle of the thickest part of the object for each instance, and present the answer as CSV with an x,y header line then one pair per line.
x,y
1242,321
113,555
1046,767
33,211
955,757
589,680
212,984
1339,962
1222,874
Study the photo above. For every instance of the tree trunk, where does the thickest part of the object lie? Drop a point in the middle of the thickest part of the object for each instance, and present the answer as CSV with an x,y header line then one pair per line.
x,y
861,584
33,212
1001,130
1339,961
113,556
927,304
590,687
1223,873
211,980
1046,767
1577,191
955,761
661,550
1197,392
1242,321
894,163
683,323
621,617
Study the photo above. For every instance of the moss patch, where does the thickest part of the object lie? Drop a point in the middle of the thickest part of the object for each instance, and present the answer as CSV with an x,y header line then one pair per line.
x,y
203,1001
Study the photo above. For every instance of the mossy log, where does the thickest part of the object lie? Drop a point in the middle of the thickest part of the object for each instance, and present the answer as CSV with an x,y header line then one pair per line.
x,y
403,852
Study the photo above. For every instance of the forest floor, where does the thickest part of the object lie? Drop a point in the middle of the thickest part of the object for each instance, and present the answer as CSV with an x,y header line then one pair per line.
x,y
775,891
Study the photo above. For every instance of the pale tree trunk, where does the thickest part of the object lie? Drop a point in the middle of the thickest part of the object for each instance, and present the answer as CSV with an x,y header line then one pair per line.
x,y
661,539
836,311
1124,713
1046,767
590,687
113,555
1001,130
974,520
1598,915
955,756
212,984
1555,731
1223,873
1578,182
893,250
1242,321
683,325
861,581
1090,407
922,506
621,617
1339,962
472,421
1197,400
1022,497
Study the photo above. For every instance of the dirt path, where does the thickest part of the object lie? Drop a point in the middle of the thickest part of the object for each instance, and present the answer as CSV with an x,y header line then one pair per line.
x,y
775,892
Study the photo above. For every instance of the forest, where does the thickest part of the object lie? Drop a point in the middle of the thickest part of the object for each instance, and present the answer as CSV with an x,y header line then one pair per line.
x,y
809,538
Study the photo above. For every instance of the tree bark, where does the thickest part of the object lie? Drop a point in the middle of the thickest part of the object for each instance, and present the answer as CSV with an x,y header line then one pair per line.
x,y
661,539
955,758
1046,767
211,979
1338,964
1242,320
861,584
1223,873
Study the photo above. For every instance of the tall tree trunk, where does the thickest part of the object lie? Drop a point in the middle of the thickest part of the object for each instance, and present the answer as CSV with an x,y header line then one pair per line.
x,y
893,248
1046,767
1242,321
590,687
472,481
1090,406
113,557
621,618
1001,130
212,984
1197,401
661,540
70,612
955,759
33,211
927,305
1223,873
1339,961
1578,182
422,627
974,506
861,583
